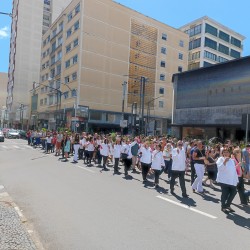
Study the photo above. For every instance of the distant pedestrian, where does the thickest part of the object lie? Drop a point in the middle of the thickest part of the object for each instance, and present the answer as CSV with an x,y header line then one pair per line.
x,y
178,168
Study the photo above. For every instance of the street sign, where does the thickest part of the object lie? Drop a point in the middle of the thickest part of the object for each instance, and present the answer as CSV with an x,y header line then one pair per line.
x,y
77,125
123,123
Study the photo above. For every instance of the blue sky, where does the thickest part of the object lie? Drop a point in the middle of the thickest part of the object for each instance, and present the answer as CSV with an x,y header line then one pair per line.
x,y
233,14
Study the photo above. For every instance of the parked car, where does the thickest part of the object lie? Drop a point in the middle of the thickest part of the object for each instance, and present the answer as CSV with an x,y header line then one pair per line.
x,y
5,130
13,134
1,136
22,134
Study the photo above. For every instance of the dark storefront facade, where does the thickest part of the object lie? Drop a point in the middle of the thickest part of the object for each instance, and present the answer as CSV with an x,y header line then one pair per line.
x,y
212,101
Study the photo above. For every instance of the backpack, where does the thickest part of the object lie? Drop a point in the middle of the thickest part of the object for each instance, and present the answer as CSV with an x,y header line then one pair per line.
x,y
134,149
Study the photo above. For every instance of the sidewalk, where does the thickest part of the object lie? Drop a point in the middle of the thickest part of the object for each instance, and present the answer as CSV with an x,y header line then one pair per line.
x,y
14,233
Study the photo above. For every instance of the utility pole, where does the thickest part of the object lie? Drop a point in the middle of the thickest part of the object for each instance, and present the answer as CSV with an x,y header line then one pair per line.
x,y
124,85
142,98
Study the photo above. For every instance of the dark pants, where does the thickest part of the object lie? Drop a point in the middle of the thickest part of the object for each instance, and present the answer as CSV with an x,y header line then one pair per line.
x,y
116,164
157,176
48,147
193,173
80,153
104,161
168,167
241,191
181,175
145,168
89,156
127,165
227,195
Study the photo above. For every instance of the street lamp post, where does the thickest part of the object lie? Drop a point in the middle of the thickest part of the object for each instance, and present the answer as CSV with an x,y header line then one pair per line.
x,y
148,112
124,86
142,98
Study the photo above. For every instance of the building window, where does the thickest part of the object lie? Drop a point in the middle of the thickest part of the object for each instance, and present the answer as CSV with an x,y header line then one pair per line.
x,y
207,64
53,47
162,77
161,104
223,49
53,60
41,102
74,76
234,53
42,90
77,9
54,32
60,26
163,50
194,31
180,56
211,30
210,43
95,115
163,64
66,79
70,16
69,32
76,25
221,59
68,48
66,94
164,36
224,36
181,43
210,55
59,41
195,44
161,91
235,42
45,101
67,63
58,69
75,58
179,69
73,93
75,42
59,55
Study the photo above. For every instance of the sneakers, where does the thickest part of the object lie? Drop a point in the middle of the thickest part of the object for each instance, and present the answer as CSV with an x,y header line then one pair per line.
x,y
230,209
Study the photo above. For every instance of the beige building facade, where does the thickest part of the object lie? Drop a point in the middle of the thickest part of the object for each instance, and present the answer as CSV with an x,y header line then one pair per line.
x,y
30,19
211,42
92,50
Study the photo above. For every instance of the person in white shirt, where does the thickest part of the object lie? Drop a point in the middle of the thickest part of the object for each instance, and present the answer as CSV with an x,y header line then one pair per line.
x,y
104,151
117,154
167,155
178,168
90,150
157,163
146,160
48,139
126,149
228,179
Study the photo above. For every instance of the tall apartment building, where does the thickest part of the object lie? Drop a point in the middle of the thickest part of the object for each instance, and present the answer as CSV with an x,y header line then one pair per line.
x,y
210,42
93,48
3,86
30,20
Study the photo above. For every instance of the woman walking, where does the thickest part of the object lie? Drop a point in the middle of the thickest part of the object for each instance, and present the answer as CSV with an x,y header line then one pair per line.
x,y
146,160
117,154
66,148
228,179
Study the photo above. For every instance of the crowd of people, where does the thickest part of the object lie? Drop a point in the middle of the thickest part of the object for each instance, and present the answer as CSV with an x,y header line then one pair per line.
x,y
226,165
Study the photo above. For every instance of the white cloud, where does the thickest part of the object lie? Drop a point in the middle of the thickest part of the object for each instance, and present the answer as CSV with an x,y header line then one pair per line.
x,y
4,32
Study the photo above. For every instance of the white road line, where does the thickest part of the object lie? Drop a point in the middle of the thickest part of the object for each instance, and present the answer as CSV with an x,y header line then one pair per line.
x,y
4,147
19,212
1,187
84,168
187,207
16,147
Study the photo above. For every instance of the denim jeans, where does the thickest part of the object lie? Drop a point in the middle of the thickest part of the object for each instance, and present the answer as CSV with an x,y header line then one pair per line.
x,y
228,193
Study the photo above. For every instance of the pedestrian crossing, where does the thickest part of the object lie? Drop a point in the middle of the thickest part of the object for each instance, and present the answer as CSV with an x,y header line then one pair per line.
x,y
15,147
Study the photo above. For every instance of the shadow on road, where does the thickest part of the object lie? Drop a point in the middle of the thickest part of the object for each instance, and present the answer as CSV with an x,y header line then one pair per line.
x,y
239,220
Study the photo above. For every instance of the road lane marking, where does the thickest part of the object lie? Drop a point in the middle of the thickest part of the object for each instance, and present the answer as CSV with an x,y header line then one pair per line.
x,y
1,187
4,146
186,207
84,168
16,147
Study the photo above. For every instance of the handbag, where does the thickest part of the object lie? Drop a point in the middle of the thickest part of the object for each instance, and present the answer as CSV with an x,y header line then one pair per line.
x,y
124,156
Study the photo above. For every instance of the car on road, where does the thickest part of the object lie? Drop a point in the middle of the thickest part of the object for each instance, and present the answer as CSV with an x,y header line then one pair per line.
x,y
13,134
1,136
22,134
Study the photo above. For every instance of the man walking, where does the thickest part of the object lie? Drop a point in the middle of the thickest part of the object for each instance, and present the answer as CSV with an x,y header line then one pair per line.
x,y
178,168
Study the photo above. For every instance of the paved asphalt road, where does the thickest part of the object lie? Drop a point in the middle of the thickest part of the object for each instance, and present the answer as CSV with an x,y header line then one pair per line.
x,y
74,207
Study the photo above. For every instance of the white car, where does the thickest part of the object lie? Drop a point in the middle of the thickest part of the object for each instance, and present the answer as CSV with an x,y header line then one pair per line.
x,y
12,133
1,136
